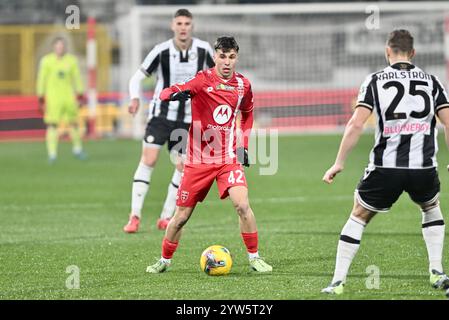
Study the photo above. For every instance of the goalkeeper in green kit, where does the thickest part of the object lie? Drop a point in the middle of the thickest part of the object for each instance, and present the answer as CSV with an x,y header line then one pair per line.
x,y
60,92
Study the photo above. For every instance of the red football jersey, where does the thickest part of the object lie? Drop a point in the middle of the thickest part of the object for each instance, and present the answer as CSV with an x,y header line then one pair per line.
x,y
215,105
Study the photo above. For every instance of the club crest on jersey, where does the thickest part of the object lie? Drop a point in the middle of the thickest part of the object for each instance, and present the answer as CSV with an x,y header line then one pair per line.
x,y
362,90
184,196
192,56
222,114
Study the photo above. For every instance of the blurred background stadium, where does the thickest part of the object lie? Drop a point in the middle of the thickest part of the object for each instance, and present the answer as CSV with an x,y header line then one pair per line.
x,y
306,59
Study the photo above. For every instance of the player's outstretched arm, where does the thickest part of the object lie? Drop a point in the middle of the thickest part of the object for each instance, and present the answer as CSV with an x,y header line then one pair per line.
x,y
78,83
41,83
134,91
443,115
180,96
246,125
182,91
174,94
353,130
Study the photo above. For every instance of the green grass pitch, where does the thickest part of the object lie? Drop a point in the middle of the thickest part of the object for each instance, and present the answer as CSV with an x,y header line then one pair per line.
x,y
72,213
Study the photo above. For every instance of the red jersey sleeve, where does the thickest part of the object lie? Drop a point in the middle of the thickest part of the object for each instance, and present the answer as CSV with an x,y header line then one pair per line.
x,y
193,85
246,123
247,101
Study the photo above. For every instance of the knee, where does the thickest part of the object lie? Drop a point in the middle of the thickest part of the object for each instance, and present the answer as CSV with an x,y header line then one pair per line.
x,y
180,166
148,161
429,206
242,208
363,215
180,222
180,219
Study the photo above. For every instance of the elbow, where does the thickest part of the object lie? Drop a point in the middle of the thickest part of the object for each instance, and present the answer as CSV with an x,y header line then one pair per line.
x,y
359,126
445,125
355,125
446,129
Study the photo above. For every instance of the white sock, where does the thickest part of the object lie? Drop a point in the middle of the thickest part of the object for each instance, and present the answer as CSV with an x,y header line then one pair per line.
x,y
166,261
170,200
141,185
433,234
253,255
77,149
348,245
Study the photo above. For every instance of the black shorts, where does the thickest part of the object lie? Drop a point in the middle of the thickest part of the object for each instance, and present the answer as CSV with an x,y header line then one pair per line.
x,y
161,130
379,189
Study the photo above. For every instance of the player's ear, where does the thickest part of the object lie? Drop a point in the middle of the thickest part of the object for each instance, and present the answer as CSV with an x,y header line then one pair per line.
x,y
172,25
387,54
412,54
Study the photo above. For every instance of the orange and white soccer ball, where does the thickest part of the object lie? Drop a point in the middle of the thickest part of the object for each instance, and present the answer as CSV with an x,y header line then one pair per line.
x,y
216,260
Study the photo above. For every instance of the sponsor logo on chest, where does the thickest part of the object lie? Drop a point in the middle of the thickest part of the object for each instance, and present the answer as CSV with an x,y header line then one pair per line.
x,y
222,114
222,86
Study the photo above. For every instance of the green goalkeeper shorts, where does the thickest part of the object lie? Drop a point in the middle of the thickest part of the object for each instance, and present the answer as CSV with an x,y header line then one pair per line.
x,y
58,111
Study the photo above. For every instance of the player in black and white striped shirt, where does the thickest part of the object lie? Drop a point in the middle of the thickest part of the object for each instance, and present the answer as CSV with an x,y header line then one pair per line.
x,y
173,61
406,101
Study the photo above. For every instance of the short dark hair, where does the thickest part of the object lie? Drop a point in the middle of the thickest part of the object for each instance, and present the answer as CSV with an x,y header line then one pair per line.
x,y
400,40
226,44
59,38
183,13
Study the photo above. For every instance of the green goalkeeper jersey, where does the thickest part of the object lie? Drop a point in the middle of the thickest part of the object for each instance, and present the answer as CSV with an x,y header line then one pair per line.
x,y
59,78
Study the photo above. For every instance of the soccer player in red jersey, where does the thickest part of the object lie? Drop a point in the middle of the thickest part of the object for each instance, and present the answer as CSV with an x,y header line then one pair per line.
x,y
218,95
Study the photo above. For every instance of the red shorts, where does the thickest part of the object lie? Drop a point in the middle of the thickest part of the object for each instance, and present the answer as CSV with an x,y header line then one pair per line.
x,y
198,178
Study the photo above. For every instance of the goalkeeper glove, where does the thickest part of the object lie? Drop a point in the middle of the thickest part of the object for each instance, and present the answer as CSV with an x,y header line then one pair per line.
x,y
242,156
41,105
180,96
81,99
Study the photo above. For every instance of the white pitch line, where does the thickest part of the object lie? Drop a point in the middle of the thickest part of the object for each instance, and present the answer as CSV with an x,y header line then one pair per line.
x,y
93,205
29,207
98,205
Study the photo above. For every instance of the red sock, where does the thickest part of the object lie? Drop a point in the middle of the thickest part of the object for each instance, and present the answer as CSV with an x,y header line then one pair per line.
x,y
168,248
251,241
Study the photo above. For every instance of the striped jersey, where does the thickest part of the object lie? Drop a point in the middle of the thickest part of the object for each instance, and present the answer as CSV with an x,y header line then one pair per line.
x,y
171,66
405,100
